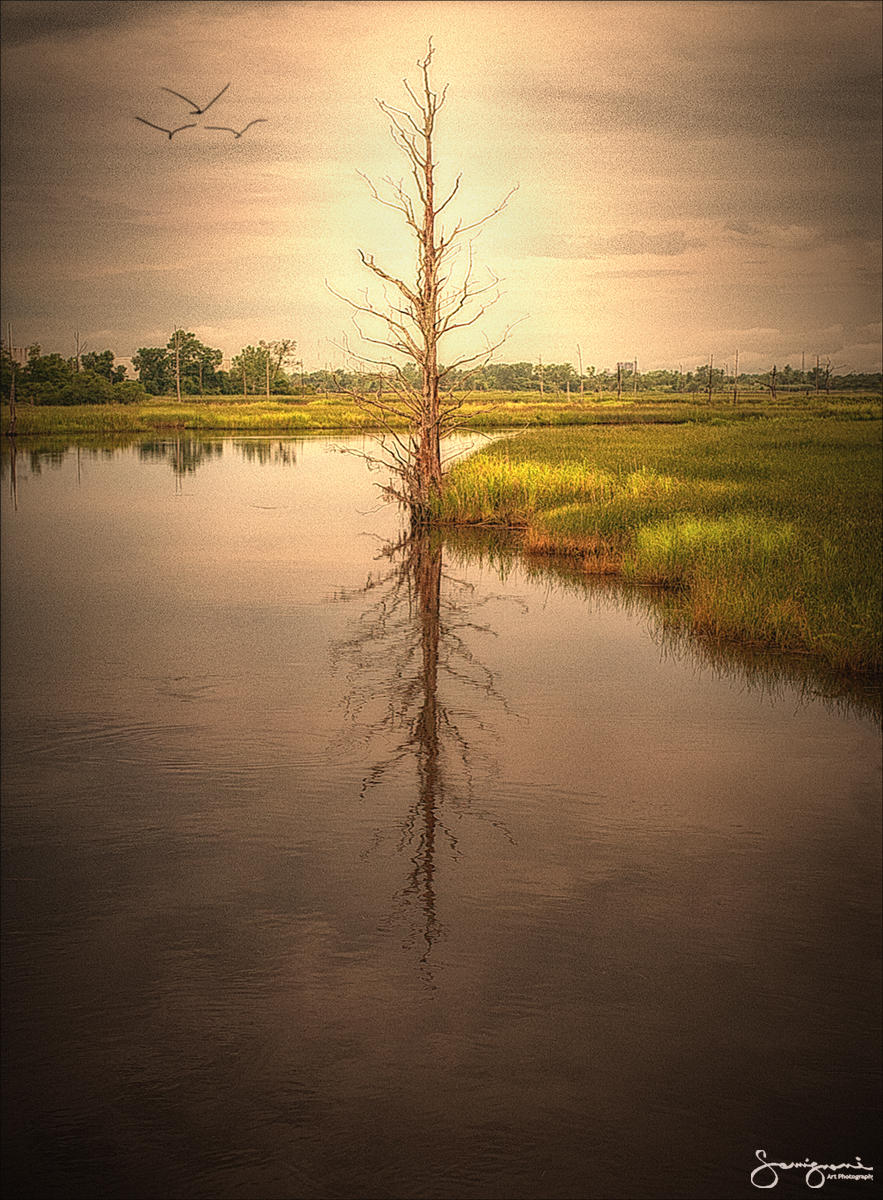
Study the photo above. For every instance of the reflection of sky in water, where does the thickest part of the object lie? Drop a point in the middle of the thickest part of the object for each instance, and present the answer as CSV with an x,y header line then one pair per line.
x,y
344,874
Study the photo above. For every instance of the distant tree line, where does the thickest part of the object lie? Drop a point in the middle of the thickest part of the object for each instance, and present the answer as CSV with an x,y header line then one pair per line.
x,y
88,378
187,367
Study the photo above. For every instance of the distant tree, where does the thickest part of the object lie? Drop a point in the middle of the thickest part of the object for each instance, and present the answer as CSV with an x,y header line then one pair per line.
x,y
155,371
277,356
102,363
128,391
249,369
559,376
85,387
196,362
698,379
43,377
512,377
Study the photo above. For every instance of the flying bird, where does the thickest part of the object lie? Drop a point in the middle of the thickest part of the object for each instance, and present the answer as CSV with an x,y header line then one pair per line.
x,y
170,132
197,111
227,128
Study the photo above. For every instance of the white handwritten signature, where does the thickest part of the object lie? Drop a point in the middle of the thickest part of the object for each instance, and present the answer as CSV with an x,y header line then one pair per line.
x,y
816,1173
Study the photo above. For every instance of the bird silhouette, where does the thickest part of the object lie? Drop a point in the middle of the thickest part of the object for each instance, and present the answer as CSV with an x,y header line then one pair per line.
x,y
195,107
171,132
227,128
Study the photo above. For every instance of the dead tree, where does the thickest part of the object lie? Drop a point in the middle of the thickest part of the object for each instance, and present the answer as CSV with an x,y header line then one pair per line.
x,y
10,431
413,418
772,383
736,378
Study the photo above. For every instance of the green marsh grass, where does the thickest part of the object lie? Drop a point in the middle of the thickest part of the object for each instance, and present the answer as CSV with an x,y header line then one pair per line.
x,y
481,410
765,531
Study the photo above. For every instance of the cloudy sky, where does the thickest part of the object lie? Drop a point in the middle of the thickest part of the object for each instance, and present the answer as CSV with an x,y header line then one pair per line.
x,y
693,178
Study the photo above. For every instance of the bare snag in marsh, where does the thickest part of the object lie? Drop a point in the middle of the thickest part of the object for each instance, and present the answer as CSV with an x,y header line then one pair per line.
x,y
418,314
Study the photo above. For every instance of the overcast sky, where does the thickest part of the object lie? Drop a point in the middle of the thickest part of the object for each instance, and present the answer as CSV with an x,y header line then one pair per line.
x,y
694,178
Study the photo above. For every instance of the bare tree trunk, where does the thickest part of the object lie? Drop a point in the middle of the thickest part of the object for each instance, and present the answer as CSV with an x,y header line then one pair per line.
x,y
619,381
710,376
244,384
10,432
773,383
200,379
582,391
736,378
541,377
268,374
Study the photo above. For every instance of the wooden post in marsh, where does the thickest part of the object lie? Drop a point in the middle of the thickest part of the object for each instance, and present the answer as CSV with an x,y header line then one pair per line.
x,y
619,381
710,376
10,432
582,386
736,377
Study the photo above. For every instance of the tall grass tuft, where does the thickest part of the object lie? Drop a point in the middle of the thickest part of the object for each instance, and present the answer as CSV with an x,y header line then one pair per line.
x,y
764,531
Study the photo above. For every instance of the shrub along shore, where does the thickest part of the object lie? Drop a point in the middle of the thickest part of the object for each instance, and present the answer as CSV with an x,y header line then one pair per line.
x,y
768,532
761,520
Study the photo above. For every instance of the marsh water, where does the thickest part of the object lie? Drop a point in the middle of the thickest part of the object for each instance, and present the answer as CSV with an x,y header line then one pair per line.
x,y
340,868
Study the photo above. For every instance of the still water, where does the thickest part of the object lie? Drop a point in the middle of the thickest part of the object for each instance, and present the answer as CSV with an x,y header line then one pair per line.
x,y
332,870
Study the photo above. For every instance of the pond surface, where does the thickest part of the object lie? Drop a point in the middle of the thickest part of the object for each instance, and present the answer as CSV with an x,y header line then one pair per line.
x,y
337,871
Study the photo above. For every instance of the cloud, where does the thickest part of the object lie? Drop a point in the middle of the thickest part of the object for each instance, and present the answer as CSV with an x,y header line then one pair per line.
x,y
24,21
622,244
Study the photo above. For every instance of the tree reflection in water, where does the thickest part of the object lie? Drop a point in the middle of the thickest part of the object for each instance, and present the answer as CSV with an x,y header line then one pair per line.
x,y
414,680
186,453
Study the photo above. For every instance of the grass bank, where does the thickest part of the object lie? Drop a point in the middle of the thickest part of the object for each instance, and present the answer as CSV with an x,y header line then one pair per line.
x,y
764,531
490,410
